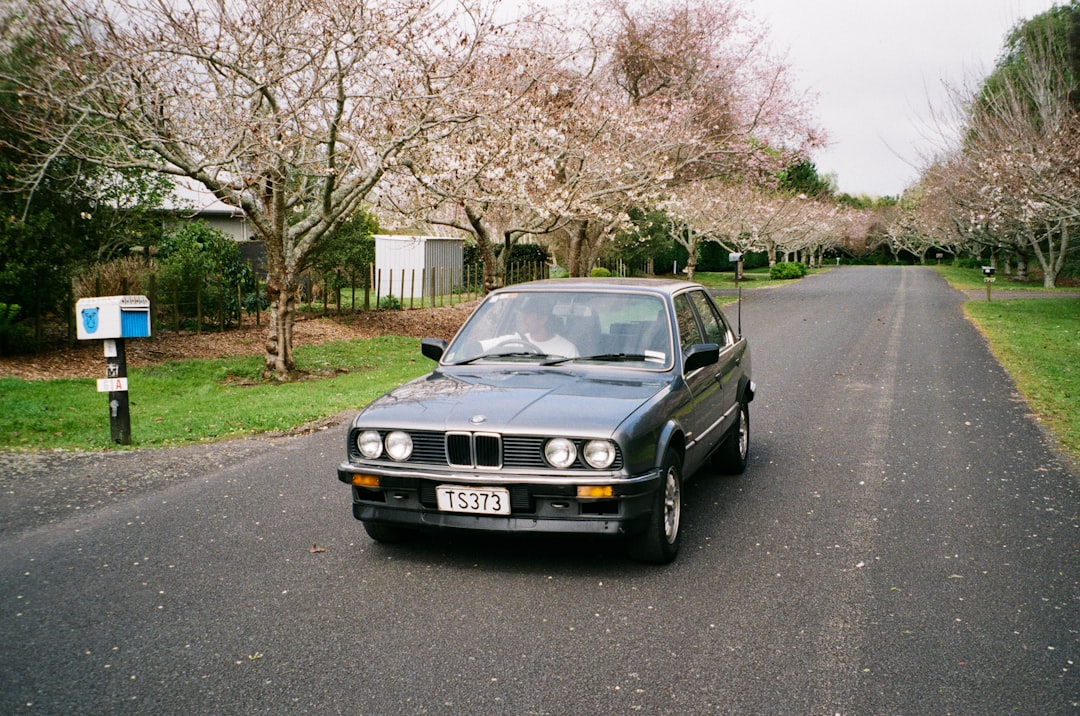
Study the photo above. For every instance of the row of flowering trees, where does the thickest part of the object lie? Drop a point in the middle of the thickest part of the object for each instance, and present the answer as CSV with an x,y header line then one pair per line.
x,y
1011,190
501,123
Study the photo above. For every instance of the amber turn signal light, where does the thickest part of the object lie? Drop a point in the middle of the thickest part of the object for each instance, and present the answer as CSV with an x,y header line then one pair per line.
x,y
595,491
365,480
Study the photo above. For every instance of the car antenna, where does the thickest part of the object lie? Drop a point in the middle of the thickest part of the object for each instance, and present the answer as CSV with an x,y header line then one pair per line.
x,y
736,258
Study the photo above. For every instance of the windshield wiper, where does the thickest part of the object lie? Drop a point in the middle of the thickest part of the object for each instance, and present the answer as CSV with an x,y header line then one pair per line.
x,y
512,354
609,357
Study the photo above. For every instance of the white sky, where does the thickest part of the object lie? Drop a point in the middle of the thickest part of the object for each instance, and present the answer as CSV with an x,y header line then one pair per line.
x,y
878,66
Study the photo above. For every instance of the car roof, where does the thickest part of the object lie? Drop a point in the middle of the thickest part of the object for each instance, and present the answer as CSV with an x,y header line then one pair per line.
x,y
647,285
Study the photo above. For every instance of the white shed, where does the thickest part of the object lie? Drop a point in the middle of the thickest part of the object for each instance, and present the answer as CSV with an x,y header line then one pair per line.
x,y
418,266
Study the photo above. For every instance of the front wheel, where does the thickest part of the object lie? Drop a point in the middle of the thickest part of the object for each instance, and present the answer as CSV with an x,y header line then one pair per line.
x,y
732,455
659,543
388,534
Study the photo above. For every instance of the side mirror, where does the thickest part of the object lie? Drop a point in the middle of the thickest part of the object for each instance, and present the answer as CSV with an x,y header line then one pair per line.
x,y
700,355
433,348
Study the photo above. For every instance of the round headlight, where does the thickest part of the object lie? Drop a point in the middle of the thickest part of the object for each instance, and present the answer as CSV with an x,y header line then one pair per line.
x,y
398,445
370,444
599,453
560,452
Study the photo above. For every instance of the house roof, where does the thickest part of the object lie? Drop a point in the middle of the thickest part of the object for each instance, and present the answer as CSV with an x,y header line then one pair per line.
x,y
191,196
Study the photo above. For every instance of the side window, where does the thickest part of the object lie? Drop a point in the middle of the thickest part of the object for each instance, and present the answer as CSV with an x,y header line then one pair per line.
x,y
689,333
715,329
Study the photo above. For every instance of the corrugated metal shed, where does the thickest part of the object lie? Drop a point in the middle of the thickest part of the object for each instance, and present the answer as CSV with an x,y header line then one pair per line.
x,y
418,266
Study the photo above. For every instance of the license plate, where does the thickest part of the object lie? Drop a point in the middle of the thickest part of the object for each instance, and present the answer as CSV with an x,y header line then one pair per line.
x,y
479,500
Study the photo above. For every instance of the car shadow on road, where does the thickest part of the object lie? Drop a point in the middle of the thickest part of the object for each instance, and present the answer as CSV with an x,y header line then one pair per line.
x,y
705,504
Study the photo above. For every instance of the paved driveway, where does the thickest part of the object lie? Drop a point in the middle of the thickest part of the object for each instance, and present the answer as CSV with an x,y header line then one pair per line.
x,y
904,542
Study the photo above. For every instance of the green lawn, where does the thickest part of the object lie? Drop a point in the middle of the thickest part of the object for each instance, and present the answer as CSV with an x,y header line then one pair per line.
x,y
755,278
1038,342
201,400
972,279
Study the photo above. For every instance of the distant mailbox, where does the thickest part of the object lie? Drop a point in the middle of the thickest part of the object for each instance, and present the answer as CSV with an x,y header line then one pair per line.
x,y
112,317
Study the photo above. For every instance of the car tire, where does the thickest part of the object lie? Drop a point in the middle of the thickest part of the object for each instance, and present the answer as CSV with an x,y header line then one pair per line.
x,y
659,543
388,534
732,455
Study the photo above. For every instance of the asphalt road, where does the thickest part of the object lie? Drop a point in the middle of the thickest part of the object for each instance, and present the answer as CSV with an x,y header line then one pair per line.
x,y
904,542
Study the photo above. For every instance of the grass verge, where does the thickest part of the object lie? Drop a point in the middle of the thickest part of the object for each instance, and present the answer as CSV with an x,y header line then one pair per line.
x,y
754,278
971,279
183,402
1038,342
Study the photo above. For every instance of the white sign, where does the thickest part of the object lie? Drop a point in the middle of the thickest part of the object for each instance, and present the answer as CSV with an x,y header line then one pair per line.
x,y
112,385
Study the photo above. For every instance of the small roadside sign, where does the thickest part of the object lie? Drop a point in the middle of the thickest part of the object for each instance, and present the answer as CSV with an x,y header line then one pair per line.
x,y
112,385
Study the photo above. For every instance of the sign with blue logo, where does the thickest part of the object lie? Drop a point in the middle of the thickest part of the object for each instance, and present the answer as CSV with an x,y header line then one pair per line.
x,y
90,319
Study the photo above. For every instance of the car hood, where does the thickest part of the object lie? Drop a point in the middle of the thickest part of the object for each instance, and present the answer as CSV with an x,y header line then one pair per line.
x,y
542,400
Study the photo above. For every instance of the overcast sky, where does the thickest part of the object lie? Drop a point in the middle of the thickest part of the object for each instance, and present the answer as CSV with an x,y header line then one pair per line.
x,y
877,67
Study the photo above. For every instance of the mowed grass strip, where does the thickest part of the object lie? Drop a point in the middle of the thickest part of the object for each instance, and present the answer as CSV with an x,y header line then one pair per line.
x,y
970,279
184,402
1038,342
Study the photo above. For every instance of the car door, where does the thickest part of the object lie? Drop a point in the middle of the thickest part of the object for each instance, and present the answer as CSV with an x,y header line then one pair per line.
x,y
728,368
703,414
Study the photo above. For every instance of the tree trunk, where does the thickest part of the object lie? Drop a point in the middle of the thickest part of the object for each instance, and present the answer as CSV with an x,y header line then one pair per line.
x,y
1052,259
578,239
1021,265
279,358
487,253
691,259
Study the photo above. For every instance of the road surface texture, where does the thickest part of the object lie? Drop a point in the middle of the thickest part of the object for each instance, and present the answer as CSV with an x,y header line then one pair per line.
x,y
904,541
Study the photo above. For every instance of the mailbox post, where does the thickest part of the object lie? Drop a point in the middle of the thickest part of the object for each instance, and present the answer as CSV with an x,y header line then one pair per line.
x,y
113,319
988,278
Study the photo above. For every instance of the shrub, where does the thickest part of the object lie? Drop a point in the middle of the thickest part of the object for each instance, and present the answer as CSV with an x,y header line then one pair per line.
x,y
390,302
13,336
199,268
787,269
113,278
528,253
600,272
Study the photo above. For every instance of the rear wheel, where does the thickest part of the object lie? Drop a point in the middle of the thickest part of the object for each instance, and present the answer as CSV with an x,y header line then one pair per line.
x,y
732,455
388,534
659,543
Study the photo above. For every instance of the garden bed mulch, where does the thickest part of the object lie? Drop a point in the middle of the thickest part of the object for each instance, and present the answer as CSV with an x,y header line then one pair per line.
x,y
86,359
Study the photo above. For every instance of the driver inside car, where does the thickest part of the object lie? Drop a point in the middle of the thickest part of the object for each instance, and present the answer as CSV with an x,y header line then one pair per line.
x,y
541,331
538,326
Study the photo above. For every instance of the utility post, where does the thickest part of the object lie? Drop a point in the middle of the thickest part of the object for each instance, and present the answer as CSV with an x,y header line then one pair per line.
x,y
988,278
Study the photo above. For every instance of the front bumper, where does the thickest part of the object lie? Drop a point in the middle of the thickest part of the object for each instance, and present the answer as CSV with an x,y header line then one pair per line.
x,y
538,504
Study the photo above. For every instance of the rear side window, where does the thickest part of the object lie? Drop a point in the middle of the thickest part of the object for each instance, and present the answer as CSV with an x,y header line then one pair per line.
x,y
716,330
689,333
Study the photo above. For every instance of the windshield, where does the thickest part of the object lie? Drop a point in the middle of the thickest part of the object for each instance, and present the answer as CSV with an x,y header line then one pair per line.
x,y
553,327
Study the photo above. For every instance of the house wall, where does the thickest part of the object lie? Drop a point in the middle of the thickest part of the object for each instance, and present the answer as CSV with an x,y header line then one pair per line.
x,y
235,227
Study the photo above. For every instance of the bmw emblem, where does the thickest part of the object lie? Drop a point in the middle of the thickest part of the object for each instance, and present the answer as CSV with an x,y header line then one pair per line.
x,y
477,419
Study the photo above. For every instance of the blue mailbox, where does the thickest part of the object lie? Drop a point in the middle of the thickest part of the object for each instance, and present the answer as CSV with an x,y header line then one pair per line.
x,y
106,317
